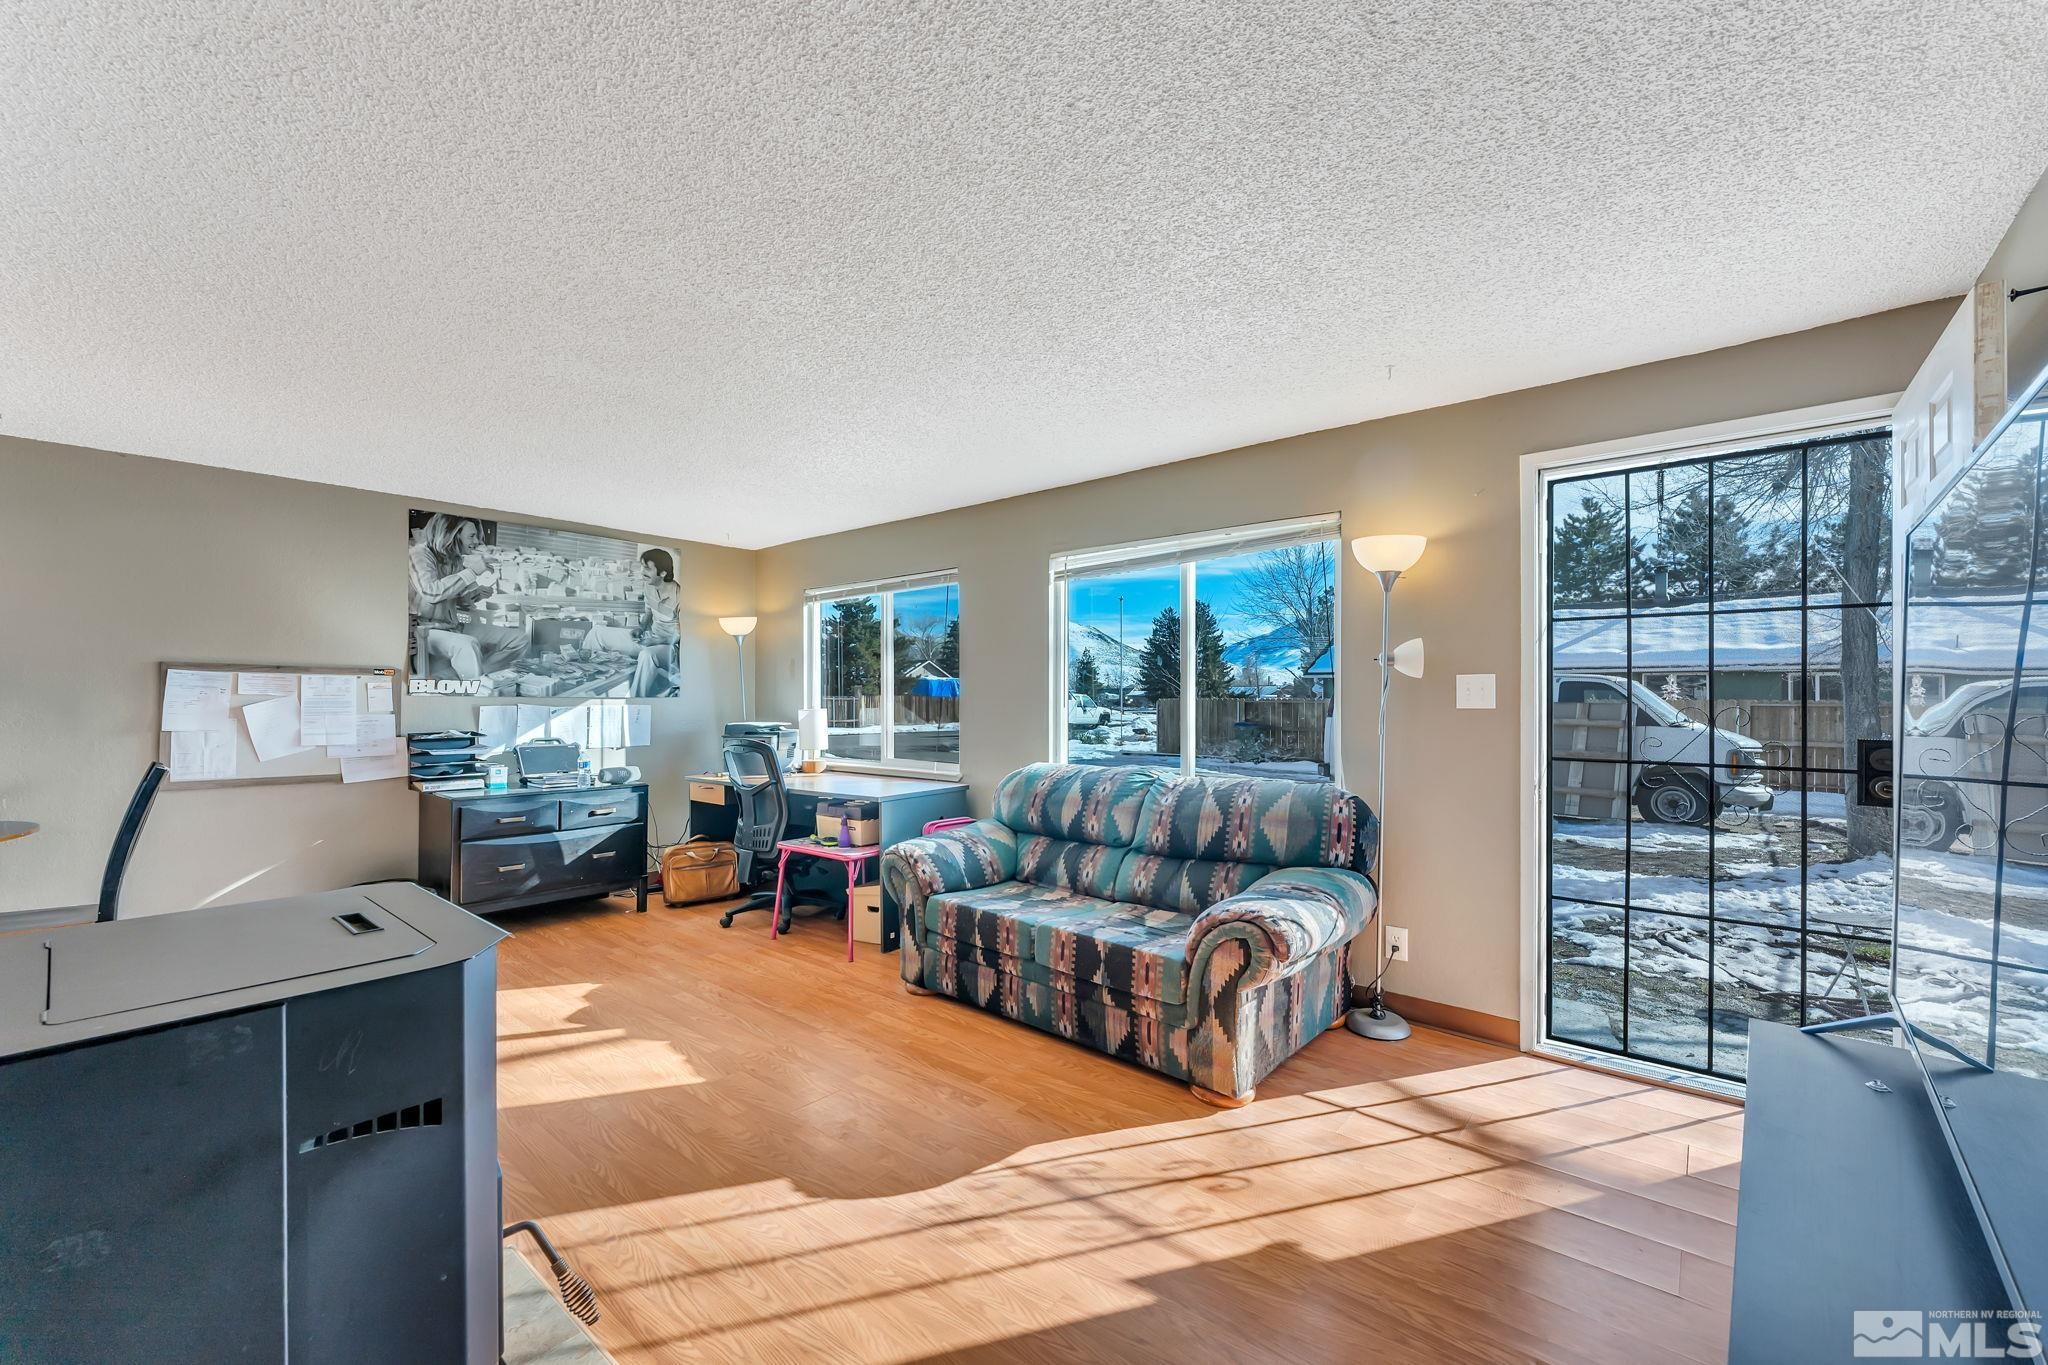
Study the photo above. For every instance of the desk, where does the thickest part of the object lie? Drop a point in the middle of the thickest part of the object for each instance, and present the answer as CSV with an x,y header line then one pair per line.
x,y
907,803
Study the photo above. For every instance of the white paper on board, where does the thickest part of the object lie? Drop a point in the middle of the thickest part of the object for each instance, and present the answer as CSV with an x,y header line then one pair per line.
x,y
202,755
267,684
639,724
499,724
533,723
273,726
570,723
375,736
373,769
197,700
378,694
327,708
611,725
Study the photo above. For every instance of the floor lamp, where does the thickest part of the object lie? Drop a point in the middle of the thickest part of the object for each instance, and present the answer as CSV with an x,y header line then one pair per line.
x,y
1387,558
740,627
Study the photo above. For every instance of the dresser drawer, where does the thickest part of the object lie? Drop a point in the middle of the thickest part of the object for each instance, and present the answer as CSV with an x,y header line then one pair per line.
x,y
531,864
601,808
493,817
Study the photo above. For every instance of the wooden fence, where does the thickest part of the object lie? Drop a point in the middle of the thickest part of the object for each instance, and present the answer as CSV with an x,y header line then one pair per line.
x,y
1262,728
865,713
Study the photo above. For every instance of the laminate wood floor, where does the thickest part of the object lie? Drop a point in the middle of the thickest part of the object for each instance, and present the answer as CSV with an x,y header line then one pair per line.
x,y
761,1152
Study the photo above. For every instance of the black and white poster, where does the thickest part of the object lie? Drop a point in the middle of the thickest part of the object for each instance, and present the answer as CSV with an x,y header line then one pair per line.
x,y
501,609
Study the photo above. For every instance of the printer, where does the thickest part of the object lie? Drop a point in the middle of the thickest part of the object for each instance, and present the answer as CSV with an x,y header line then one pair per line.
x,y
779,735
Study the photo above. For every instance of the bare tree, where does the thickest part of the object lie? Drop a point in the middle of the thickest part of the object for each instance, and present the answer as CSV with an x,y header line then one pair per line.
x,y
1291,589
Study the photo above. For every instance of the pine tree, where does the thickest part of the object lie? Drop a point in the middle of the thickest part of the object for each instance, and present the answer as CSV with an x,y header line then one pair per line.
x,y
1212,673
1086,680
1159,657
1589,557
852,646
949,649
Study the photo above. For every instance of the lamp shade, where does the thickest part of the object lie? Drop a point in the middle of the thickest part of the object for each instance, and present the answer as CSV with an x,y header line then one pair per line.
x,y
739,627
1388,554
1407,658
810,729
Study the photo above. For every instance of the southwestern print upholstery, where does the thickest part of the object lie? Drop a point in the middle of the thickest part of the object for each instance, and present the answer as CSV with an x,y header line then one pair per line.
x,y
1068,801
1199,926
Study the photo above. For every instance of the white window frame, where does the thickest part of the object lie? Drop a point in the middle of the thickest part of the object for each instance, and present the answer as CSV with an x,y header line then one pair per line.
x,y
1187,551
1539,470
815,599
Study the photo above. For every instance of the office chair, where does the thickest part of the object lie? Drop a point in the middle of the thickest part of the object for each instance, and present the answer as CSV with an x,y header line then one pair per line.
x,y
756,775
124,841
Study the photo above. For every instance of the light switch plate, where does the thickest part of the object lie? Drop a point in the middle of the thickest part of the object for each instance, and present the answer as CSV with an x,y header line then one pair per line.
x,y
1475,691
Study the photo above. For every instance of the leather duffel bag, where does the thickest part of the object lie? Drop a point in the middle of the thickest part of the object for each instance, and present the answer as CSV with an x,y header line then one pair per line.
x,y
699,869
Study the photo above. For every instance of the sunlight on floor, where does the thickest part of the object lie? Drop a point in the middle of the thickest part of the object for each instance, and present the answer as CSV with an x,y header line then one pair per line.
x,y
1073,1230
545,1057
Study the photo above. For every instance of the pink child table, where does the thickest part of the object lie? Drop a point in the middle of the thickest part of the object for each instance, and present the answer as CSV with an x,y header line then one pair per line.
x,y
854,858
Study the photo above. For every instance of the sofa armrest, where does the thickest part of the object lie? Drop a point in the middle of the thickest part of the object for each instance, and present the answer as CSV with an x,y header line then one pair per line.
x,y
1284,920
958,859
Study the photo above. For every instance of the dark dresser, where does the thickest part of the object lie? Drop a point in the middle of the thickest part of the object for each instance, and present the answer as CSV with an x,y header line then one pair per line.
x,y
498,850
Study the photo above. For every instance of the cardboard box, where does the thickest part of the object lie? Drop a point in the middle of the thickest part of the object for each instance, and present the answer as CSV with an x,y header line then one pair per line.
x,y
867,914
855,824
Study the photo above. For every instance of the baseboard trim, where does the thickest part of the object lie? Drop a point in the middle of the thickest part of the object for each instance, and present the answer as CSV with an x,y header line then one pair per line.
x,y
1488,1028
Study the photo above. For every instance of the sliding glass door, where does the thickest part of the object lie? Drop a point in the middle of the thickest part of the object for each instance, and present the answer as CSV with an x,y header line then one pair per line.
x,y
1718,677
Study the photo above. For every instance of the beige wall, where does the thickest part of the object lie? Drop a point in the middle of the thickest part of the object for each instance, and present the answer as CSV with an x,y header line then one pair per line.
x,y
1451,474
112,563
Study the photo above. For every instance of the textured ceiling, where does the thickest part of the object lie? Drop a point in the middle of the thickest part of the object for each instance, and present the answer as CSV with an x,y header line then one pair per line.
x,y
750,272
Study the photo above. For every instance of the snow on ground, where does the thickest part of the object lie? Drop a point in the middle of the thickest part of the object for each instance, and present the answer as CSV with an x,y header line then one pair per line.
x,y
1131,737
1946,907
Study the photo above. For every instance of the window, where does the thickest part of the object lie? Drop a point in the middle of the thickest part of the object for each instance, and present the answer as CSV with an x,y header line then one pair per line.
x,y
884,664
1719,650
1213,652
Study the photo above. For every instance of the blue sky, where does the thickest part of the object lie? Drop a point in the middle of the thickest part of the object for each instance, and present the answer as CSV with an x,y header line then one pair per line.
x,y
925,607
1091,602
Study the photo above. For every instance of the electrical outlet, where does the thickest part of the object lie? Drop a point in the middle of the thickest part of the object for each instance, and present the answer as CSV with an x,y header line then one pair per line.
x,y
1397,944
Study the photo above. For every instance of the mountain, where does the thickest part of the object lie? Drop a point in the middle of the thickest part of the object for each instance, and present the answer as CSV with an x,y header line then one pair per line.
x,y
1278,651
1103,644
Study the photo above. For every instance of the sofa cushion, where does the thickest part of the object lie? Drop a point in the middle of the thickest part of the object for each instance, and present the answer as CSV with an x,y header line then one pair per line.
x,y
1188,885
1069,865
1069,801
963,957
1137,949
1272,822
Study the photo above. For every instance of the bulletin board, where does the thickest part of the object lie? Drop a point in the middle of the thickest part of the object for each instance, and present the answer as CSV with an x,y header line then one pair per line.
x,y
313,764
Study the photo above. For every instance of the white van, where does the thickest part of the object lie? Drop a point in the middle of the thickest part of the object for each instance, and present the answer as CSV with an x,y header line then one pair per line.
x,y
1690,773
1083,712
1955,738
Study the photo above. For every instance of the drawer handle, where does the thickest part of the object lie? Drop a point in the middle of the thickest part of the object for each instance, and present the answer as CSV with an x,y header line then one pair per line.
x,y
516,867
613,854
511,819
606,810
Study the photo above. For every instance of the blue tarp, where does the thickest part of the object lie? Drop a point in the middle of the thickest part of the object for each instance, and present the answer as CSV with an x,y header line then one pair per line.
x,y
936,687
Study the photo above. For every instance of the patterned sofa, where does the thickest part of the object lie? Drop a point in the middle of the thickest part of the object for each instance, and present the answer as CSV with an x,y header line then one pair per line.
x,y
1195,925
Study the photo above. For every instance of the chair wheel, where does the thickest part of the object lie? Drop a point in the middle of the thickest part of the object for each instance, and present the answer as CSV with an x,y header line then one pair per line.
x,y
725,920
